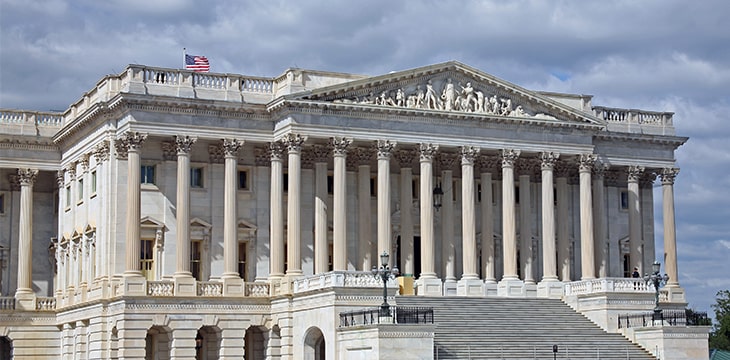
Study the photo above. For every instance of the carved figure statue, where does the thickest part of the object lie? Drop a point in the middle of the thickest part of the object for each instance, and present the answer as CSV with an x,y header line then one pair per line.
x,y
469,100
448,95
518,111
480,101
400,98
494,105
420,97
506,106
432,101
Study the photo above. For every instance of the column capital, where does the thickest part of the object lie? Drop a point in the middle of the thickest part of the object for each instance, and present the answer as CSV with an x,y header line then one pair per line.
x,y
508,157
405,157
132,140
339,145
276,151
600,169
318,153
184,143
293,142
385,148
71,170
84,162
14,182
469,154
487,163
548,160
647,179
634,173
60,178
362,155
525,166
446,161
668,175
101,151
427,151
586,161
27,176
230,147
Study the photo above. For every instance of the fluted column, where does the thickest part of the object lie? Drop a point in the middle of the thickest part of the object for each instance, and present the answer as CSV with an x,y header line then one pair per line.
x,y
600,234
468,216
294,143
321,250
183,145
385,150
636,255
509,236
561,187
448,246
339,206
670,238
585,165
230,149
364,230
428,260
405,159
525,168
276,151
487,220
549,256
132,143
27,178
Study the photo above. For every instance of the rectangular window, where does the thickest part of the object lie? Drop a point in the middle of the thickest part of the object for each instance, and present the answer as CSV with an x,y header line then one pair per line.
x,y
196,177
415,187
195,259
147,174
146,258
374,186
285,184
68,196
2,204
243,180
330,184
80,196
624,200
242,260
479,191
93,182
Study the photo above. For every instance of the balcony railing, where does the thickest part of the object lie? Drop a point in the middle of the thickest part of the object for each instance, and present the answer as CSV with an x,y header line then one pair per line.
x,y
356,279
608,285
665,317
398,315
633,120
7,303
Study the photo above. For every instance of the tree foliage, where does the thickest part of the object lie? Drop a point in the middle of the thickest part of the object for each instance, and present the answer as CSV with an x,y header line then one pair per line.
x,y
720,335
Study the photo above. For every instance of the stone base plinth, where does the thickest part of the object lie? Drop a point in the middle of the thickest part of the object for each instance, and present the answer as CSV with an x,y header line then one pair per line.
x,y
185,286
675,294
552,289
672,342
470,287
25,301
450,287
134,285
232,286
429,287
511,287
490,288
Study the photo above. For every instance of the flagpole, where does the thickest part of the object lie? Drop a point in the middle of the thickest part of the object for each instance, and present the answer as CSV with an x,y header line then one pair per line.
x,y
183,59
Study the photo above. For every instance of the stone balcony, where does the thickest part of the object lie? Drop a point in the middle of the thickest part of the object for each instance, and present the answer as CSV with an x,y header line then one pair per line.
x,y
636,121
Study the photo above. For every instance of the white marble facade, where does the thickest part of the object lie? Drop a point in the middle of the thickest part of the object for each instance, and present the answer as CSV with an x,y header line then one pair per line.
x,y
295,176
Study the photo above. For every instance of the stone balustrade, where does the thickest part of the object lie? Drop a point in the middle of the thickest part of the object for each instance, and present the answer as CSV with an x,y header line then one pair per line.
x,y
355,279
210,288
7,303
608,285
636,121
45,303
257,289
160,288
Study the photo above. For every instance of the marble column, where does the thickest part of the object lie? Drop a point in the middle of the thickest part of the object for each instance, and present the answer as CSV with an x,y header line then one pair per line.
x,y
510,285
276,151
428,283
24,290
670,238
294,143
448,243
385,150
405,160
321,248
600,233
183,145
59,283
524,167
563,222
585,165
104,177
470,284
232,282
339,206
364,230
486,165
636,255
132,143
547,287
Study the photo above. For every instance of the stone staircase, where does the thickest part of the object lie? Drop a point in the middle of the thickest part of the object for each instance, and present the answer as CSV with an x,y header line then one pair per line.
x,y
510,328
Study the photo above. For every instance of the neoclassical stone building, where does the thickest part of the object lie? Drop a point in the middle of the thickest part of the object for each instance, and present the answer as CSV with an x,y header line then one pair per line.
x,y
172,214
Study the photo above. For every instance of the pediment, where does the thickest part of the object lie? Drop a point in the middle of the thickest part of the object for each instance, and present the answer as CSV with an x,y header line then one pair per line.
x,y
450,87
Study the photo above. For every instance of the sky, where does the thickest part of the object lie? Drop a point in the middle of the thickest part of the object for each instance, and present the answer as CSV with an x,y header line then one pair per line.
x,y
662,55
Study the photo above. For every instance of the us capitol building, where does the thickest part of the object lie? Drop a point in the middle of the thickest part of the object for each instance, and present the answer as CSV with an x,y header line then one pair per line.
x,y
169,214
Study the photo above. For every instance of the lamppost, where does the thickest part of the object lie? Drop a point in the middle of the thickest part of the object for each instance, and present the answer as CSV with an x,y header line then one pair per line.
x,y
385,274
438,196
657,280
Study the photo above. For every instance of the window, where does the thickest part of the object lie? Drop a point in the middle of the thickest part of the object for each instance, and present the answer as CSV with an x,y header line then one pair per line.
x,y
330,184
479,192
196,177
147,174
374,186
196,255
243,180
146,259
285,183
80,196
242,260
624,200
93,183
2,204
68,196
415,187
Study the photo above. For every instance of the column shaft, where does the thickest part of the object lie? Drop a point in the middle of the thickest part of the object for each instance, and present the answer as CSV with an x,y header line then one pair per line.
x,y
277,211
25,232
670,239
526,230
448,252
182,267
588,267
364,217
428,270
549,266
600,234
487,228
385,149
561,185
133,141
339,207
406,220
509,236
321,248
294,226
230,211
635,239
468,216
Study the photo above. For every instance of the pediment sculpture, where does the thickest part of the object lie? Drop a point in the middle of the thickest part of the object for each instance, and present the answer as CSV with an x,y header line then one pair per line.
x,y
449,97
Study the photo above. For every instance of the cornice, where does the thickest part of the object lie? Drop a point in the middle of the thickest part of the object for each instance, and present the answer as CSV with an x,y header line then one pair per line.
x,y
31,144
675,141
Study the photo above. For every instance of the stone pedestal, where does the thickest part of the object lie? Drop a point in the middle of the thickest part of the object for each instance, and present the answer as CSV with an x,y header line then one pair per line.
x,y
25,301
511,287
429,287
550,289
490,288
675,294
470,287
449,287
133,285
233,287
185,286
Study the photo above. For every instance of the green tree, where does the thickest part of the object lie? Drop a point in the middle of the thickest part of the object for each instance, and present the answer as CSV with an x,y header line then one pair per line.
x,y
720,335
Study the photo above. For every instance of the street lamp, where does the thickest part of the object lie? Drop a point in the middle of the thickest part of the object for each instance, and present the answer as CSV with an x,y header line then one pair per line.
x,y
438,196
657,280
385,274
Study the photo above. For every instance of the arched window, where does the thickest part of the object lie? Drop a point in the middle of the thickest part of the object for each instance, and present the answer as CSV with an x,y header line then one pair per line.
x,y
314,345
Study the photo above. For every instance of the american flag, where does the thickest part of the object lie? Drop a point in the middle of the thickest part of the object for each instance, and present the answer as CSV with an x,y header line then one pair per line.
x,y
197,63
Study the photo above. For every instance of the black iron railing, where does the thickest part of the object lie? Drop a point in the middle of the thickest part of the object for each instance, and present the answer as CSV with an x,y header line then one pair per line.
x,y
666,317
397,315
